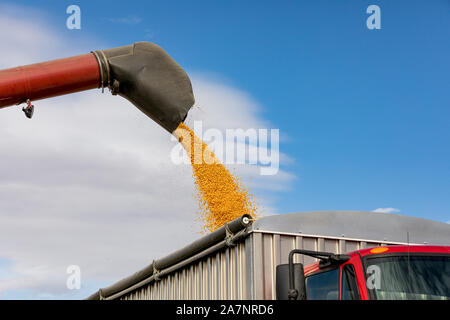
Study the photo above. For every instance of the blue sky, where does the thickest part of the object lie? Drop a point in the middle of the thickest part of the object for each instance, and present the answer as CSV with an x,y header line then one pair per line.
x,y
363,114
365,111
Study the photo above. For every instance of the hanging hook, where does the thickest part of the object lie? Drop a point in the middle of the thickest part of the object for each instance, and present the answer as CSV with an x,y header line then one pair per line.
x,y
29,109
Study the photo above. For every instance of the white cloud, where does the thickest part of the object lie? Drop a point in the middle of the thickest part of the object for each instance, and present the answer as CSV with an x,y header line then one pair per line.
x,y
386,210
89,182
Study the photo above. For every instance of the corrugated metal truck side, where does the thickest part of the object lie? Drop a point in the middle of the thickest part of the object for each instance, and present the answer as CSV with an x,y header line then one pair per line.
x,y
238,261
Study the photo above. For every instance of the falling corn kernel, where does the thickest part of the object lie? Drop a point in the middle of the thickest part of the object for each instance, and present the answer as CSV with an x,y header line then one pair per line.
x,y
221,196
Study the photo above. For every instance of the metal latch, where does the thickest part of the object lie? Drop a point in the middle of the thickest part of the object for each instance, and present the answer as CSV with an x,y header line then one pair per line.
x,y
229,236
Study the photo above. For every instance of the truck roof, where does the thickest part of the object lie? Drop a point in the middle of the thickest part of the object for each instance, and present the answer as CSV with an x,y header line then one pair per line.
x,y
359,225
314,267
403,248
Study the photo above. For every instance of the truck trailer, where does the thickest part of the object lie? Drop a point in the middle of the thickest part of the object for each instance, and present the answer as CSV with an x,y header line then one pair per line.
x,y
346,254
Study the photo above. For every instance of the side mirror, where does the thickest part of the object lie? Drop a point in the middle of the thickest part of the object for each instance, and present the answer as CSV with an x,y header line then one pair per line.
x,y
282,281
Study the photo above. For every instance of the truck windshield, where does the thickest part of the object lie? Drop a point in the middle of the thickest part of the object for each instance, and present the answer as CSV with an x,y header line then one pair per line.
x,y
410,277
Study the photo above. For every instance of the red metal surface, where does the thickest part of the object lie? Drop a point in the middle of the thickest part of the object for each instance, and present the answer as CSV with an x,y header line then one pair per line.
x,y
48,79
355,260
402,248
311,268
391,249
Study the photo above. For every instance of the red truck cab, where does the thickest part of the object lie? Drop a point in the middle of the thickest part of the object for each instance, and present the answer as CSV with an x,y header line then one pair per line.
x,y
382,273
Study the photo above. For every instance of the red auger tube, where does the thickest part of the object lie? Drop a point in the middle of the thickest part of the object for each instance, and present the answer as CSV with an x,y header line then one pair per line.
x,y
143,73
48,79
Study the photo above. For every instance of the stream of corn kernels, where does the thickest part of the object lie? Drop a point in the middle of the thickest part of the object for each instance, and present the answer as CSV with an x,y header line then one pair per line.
x,y
221,195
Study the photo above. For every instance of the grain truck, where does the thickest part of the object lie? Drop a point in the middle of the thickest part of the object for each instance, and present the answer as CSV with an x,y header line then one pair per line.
x,y
346,254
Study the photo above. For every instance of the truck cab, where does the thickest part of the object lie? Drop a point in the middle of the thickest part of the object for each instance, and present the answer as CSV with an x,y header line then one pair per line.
x,y
381,273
